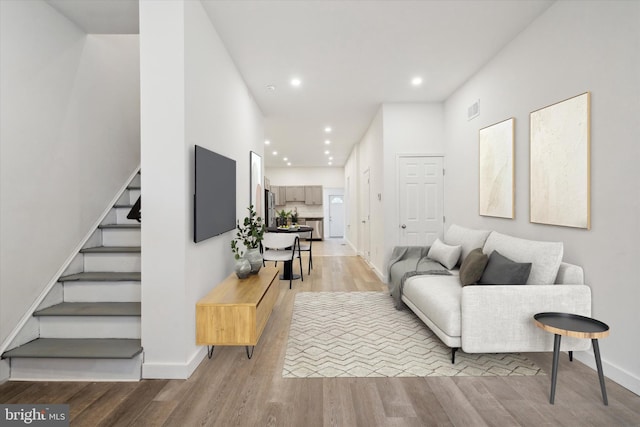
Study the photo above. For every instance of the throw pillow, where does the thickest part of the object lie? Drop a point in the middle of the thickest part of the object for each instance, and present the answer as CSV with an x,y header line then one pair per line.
x,y
473,266
468,238
444,254
503,271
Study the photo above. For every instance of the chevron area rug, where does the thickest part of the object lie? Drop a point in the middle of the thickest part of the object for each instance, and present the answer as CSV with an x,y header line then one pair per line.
x,y
361,334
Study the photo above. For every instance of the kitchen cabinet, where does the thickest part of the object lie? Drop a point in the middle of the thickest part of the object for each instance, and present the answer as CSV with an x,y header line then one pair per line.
x,y
313,195
295,193
280,196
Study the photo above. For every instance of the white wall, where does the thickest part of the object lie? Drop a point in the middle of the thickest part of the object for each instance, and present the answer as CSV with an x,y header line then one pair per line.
x,y
572,48
408,129
397,129
191,94
69,126
325,176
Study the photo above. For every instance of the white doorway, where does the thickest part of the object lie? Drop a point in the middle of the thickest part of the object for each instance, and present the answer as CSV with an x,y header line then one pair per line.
x,y
365,202
420,199
336,215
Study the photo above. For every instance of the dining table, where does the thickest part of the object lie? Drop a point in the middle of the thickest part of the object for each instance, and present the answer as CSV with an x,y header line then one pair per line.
x,y
288,265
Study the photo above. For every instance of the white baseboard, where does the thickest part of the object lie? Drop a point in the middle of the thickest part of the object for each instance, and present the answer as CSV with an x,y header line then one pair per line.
x,y
5,371
174,371
381,276
624,378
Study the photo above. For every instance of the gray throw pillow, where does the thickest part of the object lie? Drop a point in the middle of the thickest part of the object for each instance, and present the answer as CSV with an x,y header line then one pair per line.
x,y
473,266
501,270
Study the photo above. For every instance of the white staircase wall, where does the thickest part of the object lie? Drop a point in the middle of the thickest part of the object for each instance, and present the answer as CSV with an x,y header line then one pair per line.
x,y
113,262
102,292
89,327
47,369
121,236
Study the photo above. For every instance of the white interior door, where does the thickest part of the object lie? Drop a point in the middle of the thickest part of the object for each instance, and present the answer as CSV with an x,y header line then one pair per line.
x,y
421,200
336,215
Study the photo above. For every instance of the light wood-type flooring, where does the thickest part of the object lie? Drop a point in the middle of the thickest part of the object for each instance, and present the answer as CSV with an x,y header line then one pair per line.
x,y
230,390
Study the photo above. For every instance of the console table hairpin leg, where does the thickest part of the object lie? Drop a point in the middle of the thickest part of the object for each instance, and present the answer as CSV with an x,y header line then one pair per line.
x,y
249,354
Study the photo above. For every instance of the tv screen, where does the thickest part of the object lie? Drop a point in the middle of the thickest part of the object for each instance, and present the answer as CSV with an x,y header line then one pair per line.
x,y
214,209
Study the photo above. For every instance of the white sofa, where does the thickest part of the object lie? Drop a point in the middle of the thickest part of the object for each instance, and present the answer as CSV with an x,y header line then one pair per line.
x,y
497,318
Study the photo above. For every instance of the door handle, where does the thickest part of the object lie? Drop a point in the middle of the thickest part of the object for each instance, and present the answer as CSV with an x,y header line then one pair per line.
x,y
404,226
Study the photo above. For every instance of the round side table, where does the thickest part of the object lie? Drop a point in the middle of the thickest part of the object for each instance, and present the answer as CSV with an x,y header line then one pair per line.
x,y
573,325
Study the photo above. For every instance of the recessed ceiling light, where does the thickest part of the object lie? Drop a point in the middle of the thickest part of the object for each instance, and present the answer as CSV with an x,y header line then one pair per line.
x,y
285,158
275,153
327,129
271,88
331,158
289,164
326,141
326,152
416,81
267,142
330,163
296,82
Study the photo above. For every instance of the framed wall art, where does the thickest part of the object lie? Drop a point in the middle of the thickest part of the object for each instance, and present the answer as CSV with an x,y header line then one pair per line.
x,y
496,170
561,163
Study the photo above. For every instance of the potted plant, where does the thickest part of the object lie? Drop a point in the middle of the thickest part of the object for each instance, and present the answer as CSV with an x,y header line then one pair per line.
x,y
282,218
294,217
250,234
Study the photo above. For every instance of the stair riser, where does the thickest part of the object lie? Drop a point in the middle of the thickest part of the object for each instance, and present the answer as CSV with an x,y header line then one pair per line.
x,y
102,292
121,216
129,197
47,369
89,326
121,262
120,237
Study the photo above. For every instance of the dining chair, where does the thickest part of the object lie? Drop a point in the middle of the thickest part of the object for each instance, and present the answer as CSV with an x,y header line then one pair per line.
x,y
282,247
306,239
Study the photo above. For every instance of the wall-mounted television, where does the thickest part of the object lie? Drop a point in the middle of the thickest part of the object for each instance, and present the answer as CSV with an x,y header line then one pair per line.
x,y
214,201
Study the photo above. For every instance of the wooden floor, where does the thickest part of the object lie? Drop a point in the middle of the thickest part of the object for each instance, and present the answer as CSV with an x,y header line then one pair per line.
x,y
231,390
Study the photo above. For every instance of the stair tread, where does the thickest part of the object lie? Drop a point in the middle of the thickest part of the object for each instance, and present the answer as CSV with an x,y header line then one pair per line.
x,y
111,250
132,226
123,206
134,187
73,348
102,276
91,309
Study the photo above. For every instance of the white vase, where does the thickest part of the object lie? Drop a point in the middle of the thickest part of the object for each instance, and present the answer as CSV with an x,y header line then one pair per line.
x,y
255,259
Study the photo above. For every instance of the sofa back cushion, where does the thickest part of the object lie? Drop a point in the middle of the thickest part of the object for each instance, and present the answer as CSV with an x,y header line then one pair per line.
x,y
468,238
545,257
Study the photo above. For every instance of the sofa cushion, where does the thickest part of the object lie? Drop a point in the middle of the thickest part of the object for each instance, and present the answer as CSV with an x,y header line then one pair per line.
x,y
445,254
545,257
502,271
468,238
438,298
472,267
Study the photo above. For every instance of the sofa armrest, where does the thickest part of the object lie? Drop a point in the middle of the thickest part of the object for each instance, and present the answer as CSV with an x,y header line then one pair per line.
x,y
499,319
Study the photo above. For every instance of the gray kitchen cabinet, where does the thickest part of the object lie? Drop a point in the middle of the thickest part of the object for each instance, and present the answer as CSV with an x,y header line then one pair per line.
x,y
280,196
313,195
295,193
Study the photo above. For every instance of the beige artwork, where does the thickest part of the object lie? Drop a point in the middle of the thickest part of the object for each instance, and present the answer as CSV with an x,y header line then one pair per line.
x,y
496,169
560,163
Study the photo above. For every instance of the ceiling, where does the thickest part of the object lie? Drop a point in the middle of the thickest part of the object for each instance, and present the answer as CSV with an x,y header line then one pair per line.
x,y
351,56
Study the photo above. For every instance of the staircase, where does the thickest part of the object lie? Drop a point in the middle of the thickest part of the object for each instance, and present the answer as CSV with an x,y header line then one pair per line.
x,y
89,323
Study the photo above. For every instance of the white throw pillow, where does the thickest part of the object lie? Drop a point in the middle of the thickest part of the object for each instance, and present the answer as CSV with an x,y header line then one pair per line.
x,y
468,238
445,254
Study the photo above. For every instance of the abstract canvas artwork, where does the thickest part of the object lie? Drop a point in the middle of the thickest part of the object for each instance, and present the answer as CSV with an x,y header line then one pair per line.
x,y
255,182
560,163
496,169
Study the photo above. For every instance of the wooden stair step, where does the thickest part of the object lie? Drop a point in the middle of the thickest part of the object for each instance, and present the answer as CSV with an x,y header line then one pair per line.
x,y
122,226
70,348
111,250
91,309
102,276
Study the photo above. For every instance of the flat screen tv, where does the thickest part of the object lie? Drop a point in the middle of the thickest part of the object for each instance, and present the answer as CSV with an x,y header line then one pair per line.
x,y
214,201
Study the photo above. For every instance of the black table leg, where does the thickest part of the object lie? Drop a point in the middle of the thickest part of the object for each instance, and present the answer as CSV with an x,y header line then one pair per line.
x,y
288,272
570,356
554,369
596,352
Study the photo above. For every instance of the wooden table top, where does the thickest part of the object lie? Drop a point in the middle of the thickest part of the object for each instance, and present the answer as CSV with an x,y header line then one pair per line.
x,y
234,291
300,229
571,325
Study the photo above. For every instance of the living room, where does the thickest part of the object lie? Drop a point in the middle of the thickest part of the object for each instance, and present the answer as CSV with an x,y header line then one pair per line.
x,y
181,75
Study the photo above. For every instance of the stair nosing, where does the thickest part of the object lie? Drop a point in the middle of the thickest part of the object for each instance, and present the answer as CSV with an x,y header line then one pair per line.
x,y
112,250
123,226
109,277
